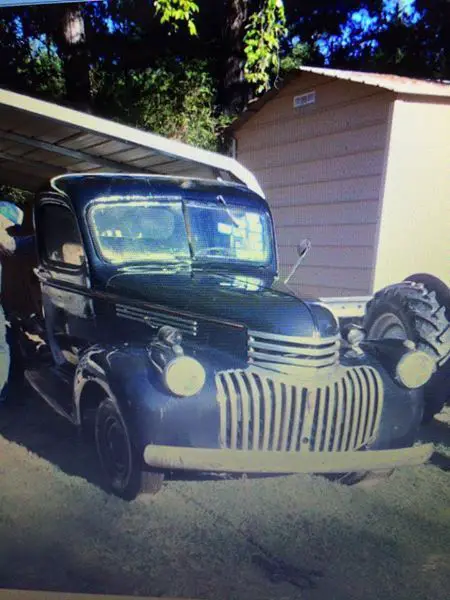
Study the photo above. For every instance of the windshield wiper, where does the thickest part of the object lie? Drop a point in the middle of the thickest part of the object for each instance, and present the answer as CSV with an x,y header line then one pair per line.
x,y
221,199
177,262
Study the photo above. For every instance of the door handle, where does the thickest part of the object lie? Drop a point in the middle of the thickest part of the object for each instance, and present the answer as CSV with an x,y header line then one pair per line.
x,y
42,274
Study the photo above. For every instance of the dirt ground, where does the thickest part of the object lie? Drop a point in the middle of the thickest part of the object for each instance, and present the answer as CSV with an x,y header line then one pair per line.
x,y
286,538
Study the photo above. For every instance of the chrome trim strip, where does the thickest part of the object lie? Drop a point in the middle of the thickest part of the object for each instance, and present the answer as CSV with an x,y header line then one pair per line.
x,y
308,341
155,319
261,358
315,351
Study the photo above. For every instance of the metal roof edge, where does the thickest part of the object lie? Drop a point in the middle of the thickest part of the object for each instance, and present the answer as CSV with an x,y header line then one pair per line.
x,y
117,131
388,81
393,83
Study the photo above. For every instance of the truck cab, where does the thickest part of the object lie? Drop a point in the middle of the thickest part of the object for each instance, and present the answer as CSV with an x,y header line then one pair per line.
x,y
172,343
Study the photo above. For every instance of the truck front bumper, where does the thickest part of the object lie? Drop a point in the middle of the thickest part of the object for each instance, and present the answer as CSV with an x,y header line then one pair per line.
x,y
275,462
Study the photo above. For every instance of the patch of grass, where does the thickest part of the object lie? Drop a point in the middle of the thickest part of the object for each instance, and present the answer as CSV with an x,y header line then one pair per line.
x,y
285,537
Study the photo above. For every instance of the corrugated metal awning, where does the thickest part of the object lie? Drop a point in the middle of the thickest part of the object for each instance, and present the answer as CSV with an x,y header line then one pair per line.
x,y
39,140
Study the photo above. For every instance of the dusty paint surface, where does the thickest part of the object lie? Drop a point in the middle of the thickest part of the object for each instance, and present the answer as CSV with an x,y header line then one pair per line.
x,y
289,537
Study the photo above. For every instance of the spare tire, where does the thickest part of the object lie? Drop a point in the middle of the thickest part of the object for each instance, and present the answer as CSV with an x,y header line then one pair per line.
x,y
410,310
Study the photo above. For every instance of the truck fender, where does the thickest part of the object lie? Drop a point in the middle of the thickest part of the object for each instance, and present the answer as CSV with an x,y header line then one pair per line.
x,y
123,372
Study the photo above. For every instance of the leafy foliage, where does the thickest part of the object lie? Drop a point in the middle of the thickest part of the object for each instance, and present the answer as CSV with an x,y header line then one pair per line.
x,y
176,67
173,99
299,54
264,32
173,11
12,194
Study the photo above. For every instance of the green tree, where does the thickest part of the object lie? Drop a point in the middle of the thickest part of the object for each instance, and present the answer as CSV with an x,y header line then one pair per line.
x,y
174,99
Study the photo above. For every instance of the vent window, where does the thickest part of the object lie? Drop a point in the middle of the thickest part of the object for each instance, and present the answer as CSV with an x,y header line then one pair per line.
x,y
304,99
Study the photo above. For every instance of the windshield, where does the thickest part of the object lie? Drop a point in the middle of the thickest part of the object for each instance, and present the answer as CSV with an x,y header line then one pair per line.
x,y
230,232
140,231
156,231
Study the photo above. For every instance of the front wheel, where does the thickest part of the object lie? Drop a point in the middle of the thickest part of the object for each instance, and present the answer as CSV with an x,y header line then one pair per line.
x,y
118,457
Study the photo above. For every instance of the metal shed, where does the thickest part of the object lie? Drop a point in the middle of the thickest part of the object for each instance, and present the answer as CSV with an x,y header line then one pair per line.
x,y
360,164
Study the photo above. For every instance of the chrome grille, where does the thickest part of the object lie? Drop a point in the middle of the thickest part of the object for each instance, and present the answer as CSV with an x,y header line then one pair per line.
x,y
278,351
156,319
263,413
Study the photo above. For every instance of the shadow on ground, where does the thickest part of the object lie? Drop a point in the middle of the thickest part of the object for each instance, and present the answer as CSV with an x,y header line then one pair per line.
x,y
295,538
35,426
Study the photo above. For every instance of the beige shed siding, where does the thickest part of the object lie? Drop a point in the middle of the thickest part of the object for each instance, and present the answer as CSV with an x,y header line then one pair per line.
x,y
321,168
414,232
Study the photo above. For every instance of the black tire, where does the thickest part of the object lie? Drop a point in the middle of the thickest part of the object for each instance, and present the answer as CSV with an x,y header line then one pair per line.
x,y
121,463
409,310
433,284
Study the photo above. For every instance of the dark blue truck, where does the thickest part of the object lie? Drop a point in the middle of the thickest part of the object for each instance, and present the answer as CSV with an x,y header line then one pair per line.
x,y
173,343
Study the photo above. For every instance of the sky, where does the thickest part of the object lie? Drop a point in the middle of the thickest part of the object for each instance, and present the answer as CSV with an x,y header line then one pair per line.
x,y
362,22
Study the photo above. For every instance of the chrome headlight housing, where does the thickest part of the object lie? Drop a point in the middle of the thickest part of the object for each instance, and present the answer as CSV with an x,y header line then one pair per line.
x,y
181,375
415,369
184,376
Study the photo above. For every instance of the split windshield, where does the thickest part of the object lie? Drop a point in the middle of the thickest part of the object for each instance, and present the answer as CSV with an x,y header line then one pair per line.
x,y
160,231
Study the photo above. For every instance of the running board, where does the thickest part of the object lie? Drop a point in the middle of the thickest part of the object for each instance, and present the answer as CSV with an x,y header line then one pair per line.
x,y
50,383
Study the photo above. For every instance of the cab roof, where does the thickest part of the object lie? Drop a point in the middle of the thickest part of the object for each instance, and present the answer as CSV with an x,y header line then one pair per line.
x,y
82,188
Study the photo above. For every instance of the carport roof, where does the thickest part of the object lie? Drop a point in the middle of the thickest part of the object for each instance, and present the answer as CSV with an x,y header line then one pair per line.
x,y
39,140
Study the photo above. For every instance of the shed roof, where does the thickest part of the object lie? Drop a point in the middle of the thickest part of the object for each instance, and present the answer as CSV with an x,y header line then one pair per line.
x,y
393,83
39,140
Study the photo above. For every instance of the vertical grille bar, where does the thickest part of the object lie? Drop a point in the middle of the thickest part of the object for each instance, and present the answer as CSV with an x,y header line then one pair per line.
x,y
233,411
320,425
267,397
244,398
370,406
222,399
356,411
340,414
287,400
349,399
328,417
255,412
278,401
296,398
361,422
379,401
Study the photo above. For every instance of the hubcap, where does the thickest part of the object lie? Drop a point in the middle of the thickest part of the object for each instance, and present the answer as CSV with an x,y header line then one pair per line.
x,y
388,326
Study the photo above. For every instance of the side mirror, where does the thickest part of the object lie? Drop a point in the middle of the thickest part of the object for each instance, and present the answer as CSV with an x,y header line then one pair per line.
x,y
302,250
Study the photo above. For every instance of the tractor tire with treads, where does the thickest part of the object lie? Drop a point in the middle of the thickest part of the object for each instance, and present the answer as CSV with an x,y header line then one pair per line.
x,y
410,310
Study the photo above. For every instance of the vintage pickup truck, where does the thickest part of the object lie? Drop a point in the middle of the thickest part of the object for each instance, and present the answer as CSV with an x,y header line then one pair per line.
x,y
174,345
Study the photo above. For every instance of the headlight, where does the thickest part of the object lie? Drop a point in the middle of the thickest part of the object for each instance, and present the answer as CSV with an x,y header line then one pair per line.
x,y
184,376
355,335
414,369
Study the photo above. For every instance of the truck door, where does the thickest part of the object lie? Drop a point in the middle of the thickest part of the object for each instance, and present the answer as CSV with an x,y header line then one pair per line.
x,y
64,279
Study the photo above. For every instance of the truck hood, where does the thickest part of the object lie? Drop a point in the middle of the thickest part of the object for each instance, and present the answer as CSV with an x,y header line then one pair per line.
x,y
260,304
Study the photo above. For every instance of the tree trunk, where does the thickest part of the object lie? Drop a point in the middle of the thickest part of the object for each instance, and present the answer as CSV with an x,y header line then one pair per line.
x,y
74,51
233,94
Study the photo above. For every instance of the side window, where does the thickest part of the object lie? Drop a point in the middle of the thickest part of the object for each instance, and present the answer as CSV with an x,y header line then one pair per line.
x,y
60,236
